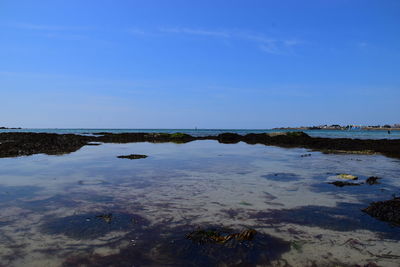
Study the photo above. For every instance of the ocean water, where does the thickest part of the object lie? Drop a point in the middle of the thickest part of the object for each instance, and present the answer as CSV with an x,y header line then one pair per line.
x,y
360,134
90,208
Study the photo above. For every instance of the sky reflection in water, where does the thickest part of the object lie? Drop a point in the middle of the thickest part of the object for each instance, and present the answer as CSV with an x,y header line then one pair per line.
x,y
50,206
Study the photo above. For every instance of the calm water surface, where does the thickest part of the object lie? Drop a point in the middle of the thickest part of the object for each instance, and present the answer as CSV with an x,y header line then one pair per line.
x,y
54,208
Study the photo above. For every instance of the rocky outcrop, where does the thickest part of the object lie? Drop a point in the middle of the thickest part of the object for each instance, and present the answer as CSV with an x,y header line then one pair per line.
x,y
19,144
24,144
388,210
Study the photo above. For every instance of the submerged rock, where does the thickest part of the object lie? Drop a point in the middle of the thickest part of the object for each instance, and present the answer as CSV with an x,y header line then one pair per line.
x,y
132,156
341,183
220,236
372,180
388,210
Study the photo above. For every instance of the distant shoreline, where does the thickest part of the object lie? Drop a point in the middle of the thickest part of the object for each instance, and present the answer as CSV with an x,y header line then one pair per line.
x,y
337,129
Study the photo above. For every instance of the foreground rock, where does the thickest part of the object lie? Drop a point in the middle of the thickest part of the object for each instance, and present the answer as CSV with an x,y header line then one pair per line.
x,y
388,211
20,144
133,156
24,144
341,184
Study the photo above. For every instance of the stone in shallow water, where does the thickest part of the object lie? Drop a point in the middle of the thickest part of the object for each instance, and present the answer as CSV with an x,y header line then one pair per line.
x,y
347,176
132,156
341,183
372,180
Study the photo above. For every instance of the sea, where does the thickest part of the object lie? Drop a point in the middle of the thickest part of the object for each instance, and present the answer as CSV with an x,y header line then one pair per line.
x,y
194,204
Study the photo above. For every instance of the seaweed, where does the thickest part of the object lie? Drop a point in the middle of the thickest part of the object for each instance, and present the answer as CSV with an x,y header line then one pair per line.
x,y
388,210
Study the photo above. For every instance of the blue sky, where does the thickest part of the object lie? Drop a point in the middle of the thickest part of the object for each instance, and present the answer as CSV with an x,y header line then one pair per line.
x,y
205,64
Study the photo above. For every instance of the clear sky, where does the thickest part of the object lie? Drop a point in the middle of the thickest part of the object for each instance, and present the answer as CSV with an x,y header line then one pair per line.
x,y
210,64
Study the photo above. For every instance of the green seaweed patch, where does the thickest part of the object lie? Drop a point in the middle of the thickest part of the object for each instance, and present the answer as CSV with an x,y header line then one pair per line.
x,y
179,135
244,203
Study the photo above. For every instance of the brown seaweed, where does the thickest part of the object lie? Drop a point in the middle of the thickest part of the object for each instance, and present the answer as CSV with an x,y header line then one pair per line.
x,y
388,211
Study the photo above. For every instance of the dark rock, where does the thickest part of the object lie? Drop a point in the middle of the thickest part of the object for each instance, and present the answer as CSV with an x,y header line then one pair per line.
x,y
24,144
372,180
20,144
133,156
229,138
341,183
388,211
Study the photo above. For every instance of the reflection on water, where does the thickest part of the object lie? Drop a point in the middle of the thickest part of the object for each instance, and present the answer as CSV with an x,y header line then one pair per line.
x,y
90,208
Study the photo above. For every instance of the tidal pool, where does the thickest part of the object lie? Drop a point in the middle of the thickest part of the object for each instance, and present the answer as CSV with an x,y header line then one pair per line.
x,y
90,208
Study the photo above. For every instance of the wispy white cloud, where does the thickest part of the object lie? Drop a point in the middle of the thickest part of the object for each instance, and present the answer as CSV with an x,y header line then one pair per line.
x,y
220,34
137,31
264,43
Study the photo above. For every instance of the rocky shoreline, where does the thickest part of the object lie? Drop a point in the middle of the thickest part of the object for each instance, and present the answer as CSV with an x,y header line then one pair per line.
x,y
14,144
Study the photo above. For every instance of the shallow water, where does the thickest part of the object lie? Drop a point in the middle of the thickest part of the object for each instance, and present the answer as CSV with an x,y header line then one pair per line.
x,y
54,208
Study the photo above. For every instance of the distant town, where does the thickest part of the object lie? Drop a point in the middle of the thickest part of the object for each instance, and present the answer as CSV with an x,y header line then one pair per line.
x,y
346,127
